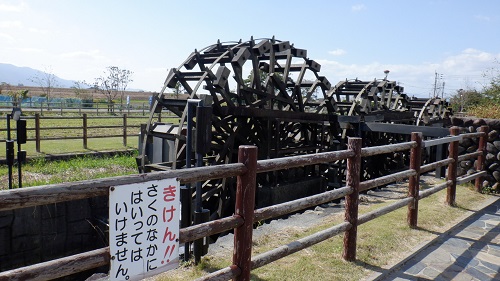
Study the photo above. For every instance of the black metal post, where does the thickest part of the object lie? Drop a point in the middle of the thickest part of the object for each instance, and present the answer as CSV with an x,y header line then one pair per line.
x,y
19,161
9,150
189,143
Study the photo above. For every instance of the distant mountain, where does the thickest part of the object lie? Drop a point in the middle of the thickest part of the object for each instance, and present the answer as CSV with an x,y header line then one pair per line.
x,y
15,75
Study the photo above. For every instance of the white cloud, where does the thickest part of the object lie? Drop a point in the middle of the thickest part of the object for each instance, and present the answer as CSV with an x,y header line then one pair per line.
x,y
7,37
13,8
337,52
482,18
29,50
83,55
11,24
460,70
358,7
39,31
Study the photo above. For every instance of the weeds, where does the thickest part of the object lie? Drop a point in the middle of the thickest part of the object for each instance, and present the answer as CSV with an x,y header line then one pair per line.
x,y
42,172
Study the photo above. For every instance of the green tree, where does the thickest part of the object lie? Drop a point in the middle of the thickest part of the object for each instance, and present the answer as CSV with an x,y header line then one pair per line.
x,y
4,87
492,90
179,89
489,105
18,96
462,100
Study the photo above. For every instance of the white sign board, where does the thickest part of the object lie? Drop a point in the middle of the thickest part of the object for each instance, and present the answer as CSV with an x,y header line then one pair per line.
x,y
143,229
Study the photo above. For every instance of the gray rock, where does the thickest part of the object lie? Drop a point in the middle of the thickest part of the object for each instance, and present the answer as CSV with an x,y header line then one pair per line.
x,y
466,164
496,175
491,148
466,142
457,121
496,144
478,122
472,148
493,123
494,166
468,122
492,135
496,187
490,158
489,178
460,171
486,184
461,149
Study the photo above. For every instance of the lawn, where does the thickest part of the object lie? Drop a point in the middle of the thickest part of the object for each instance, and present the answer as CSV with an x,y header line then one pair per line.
x,y
64,127
41,172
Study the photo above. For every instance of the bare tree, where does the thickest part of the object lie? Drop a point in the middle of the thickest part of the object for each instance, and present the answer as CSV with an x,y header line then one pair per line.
x,y
114,82
47,81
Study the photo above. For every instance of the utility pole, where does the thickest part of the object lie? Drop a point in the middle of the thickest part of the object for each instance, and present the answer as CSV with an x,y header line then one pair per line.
x,y
436,77
435,82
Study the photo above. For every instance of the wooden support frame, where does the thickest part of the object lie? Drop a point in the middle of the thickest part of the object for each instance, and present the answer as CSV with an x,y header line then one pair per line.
x,y
480,159
352,200
413,187
245,204
452,168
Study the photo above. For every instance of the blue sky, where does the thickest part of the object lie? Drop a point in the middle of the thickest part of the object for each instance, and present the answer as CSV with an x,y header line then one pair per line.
x,y
351,39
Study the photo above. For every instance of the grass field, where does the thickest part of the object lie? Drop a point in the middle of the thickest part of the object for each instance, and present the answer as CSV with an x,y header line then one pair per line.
x,y
42,172
76,145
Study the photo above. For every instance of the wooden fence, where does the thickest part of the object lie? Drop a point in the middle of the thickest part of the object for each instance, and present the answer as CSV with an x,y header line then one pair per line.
x,y
82,130
245,215
64,107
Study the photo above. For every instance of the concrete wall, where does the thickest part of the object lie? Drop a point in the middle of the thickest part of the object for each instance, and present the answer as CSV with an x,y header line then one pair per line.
x,y
37,234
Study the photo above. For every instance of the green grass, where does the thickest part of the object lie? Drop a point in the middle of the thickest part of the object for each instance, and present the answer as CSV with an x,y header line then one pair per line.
x,y
41,172
71,146
51,147
381,243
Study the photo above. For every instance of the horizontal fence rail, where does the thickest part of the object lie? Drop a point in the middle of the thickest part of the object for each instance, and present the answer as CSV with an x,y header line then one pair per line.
x,y
63,107
245,172
83,131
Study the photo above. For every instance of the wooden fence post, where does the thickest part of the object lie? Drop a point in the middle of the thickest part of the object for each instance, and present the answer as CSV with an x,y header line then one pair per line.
x,y
413,187
352,200
452,168
125,129
37,132
84,116
481,158
245,204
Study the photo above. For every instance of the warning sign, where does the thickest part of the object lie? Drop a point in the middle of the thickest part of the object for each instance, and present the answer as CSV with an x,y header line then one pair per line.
x,y
143,229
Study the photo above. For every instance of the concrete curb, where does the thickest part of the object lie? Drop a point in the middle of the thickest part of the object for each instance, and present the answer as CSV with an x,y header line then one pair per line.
x,y
378,276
